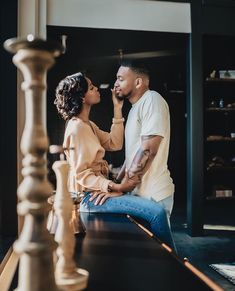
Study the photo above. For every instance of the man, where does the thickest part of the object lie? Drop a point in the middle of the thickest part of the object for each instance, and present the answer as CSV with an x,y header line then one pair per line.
x,y
147,137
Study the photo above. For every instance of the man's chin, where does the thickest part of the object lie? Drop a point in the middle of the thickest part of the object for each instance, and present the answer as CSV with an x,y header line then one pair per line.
x,y
121,98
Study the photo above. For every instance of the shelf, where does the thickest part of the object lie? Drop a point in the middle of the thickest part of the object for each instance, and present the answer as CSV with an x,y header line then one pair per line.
x,y
217,109
218,169
220,139
223,80
213,198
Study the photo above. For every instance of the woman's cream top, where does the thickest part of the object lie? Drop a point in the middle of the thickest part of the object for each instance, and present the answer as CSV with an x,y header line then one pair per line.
x,y
85,147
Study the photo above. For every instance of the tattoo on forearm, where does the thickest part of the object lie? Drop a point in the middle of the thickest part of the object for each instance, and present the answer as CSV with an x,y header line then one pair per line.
x,y
139,162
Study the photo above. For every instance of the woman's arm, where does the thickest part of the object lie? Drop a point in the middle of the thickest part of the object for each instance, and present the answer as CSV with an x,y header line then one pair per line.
x,y
117,105
113,140
83,157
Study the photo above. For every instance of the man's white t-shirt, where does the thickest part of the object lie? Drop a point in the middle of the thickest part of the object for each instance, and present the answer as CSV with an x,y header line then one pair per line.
x,y
150,116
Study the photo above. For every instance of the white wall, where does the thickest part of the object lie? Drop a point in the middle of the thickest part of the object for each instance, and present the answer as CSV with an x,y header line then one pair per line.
x,y
121,14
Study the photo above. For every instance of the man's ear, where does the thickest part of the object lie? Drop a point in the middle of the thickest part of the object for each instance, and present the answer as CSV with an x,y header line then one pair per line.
x,y
138,82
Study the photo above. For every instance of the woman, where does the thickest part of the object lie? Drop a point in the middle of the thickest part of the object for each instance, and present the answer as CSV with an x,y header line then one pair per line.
x,y
85,146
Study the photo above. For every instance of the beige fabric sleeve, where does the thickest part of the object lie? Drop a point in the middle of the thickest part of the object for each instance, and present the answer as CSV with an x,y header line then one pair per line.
x,y
113,140
83,157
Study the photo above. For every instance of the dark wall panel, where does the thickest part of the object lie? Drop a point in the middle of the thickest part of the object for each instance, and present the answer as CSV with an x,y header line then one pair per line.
x,y
8,123
208,17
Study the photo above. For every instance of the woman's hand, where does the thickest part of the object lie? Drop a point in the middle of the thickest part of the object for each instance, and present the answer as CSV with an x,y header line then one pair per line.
x,y
116,102
101,197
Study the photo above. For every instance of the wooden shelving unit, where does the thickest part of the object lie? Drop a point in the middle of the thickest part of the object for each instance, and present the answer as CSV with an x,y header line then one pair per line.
x,y
219,125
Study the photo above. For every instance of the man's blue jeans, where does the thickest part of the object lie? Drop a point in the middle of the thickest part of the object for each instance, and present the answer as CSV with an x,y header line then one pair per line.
x,y
148,210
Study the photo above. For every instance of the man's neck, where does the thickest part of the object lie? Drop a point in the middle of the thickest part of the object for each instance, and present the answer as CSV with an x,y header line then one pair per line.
x,y
133,99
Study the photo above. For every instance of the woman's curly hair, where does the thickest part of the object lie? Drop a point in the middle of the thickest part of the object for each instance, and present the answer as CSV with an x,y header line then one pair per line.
x,y
69,95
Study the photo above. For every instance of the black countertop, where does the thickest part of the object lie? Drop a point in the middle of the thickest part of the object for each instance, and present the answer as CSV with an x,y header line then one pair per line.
x,y
121,256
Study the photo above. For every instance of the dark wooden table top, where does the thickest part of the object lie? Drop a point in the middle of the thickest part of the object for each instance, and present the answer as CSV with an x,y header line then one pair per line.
x,y
121,256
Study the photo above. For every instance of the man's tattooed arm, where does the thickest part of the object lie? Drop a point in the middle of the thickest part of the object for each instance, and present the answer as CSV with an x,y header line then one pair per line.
x,y
141,162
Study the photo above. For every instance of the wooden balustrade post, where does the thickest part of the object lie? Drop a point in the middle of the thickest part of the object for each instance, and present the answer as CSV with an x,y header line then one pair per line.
x,y
68,275
35,245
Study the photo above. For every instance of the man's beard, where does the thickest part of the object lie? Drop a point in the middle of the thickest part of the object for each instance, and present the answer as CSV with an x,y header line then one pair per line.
x,y
120,98
125,96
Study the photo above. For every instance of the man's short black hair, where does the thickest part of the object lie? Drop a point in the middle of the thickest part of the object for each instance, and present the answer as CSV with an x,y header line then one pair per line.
x,y
136,65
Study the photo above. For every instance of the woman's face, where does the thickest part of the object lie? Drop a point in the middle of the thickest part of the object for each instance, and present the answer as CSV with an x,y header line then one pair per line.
x,y
92,95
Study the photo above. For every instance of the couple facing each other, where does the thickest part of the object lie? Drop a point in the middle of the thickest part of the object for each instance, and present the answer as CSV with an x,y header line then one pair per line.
x,y
143,188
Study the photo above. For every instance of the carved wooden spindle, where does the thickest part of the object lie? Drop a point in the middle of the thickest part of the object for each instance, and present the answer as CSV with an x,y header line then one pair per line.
x,y
75,222
35,245
68,276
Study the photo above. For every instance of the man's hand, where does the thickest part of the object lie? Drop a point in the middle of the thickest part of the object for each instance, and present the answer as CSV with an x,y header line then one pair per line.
x,y
101,197
128,184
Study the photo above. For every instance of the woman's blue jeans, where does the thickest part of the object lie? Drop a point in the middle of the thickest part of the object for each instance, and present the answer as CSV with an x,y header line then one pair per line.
x,y
136,206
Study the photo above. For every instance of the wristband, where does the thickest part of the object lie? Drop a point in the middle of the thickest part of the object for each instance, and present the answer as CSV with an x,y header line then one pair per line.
x,y
118,120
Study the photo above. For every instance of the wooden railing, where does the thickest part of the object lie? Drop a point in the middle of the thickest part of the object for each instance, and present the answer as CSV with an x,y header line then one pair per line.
x,y
35,245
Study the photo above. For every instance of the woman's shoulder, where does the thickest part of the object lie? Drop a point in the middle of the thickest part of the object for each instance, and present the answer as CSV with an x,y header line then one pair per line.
x,y
94,124
75,125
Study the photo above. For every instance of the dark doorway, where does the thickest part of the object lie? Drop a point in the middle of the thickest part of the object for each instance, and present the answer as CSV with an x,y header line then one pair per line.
x,y
98,52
